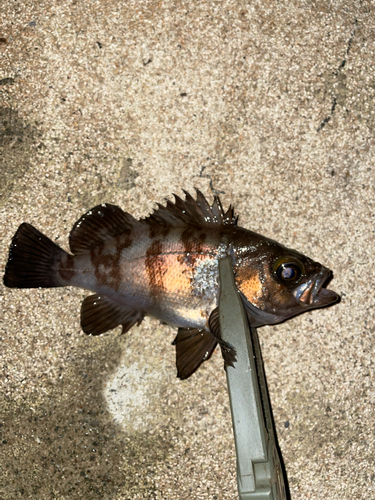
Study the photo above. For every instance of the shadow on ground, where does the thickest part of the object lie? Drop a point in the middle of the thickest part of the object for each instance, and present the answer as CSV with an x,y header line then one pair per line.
x,y
64,443
17,144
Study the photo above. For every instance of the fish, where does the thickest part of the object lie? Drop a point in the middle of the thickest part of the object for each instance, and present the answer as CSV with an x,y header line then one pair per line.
x,y
166,266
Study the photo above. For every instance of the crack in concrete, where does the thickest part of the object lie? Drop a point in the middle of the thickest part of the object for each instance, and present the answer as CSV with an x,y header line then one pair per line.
x,y
335,73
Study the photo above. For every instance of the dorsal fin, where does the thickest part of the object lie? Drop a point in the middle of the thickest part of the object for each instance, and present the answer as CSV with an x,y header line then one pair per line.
x,y
99,225
192,212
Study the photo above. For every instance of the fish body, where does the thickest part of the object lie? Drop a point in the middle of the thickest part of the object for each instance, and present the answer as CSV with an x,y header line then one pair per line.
x,y
167,266
171,276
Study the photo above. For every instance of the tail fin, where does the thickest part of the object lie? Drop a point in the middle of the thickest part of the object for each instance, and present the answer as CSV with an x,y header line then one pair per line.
x,y
32,260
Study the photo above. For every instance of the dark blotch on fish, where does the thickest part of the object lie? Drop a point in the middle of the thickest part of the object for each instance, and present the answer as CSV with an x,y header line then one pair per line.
x,y
155,267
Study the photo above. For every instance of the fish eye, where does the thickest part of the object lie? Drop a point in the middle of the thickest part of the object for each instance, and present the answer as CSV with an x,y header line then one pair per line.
x,y
287,269
288,272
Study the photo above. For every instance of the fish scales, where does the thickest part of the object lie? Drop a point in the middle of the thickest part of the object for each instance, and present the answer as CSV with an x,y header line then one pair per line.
x,y
166,266
162,275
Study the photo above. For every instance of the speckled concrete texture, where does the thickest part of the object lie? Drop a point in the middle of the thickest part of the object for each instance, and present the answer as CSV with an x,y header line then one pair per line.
x,y
269,104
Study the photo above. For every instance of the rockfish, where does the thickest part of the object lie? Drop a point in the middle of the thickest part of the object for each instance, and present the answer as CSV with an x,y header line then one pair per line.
x,y
166,266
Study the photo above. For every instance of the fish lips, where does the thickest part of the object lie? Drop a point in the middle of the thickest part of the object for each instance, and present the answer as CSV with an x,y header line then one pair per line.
x,y
312,293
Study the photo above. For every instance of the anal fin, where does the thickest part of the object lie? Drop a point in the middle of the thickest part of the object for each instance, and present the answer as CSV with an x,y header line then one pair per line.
x,y
100,314
193,346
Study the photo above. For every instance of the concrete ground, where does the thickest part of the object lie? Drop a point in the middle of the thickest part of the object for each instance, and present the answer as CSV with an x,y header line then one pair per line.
x,y
269,104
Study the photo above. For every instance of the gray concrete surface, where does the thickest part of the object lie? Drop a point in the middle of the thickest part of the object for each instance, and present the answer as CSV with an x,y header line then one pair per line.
x,y
269,104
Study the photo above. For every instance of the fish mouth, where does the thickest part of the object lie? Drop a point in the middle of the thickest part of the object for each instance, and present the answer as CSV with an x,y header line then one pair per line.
x,y
313,293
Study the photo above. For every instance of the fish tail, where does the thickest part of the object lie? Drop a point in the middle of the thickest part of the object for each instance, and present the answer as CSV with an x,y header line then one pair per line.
x,y
32,260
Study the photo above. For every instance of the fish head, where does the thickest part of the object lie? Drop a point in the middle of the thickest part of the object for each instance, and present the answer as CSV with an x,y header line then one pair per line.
x,y
277,283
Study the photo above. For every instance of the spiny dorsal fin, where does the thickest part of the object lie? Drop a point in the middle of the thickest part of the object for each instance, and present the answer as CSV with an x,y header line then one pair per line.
x,y
99,225
192,212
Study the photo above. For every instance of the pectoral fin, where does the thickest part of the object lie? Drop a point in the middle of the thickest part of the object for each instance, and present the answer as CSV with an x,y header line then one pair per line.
x,y
193,346
100,314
